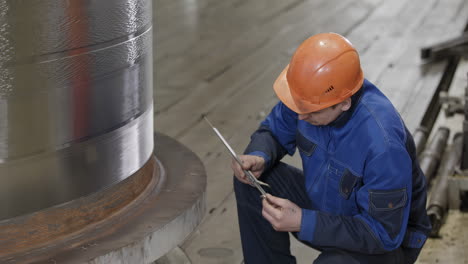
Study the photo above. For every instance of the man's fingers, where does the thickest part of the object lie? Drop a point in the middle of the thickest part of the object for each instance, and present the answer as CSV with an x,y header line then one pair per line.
x,y
278,202
245,166
273,214
266,211
239,173
272,209
247,163
237,169
256,174
282,214
268,217
251,163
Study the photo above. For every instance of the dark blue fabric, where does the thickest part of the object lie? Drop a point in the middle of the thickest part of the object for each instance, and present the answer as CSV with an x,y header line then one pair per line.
x,y
419,224
366,191
345,257
262,244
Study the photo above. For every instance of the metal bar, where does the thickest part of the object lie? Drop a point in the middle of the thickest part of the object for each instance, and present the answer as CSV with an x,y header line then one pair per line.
x,y
420,139
430,158
438,202
464,161
253,180
434,107
455,46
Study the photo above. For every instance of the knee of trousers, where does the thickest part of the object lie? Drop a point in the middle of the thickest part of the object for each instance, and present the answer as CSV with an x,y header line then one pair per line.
x,y
273,176
246,194
335,256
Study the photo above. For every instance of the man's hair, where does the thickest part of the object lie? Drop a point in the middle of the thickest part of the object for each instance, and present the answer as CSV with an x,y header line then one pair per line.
x,y
353,98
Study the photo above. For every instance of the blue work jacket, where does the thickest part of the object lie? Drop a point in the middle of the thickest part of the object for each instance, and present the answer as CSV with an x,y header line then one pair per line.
x,y
362,176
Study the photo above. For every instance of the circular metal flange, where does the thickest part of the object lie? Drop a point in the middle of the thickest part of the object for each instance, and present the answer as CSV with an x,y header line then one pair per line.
x,y
136,224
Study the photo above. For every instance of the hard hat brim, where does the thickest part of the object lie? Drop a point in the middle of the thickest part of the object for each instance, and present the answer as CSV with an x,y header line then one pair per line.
x,y
283,92
281,88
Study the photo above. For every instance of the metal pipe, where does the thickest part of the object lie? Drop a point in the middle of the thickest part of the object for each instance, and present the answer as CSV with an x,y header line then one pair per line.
x,y
438,203
76,106
430,158
464,161
420,139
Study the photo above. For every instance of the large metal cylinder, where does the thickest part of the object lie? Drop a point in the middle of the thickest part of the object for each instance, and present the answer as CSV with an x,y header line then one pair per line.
x,y
76,104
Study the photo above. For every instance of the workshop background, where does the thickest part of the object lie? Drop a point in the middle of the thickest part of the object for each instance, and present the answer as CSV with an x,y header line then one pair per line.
x,y
222,57
91,89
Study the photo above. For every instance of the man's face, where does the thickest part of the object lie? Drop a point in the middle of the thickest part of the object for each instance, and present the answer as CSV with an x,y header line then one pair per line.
x,y
324,116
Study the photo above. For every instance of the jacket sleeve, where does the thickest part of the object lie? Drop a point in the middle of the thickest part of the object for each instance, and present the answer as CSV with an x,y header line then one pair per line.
x,y
276,135
384,204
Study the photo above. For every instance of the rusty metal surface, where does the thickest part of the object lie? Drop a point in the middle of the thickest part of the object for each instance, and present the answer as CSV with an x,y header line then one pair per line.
x,y
22,234
144,230
76,104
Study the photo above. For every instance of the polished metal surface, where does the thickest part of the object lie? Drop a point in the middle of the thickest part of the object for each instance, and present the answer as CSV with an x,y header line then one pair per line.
x,y
76,104
135,221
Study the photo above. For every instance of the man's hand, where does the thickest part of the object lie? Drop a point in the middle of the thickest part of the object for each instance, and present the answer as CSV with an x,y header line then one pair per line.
x,y
282,214
255,164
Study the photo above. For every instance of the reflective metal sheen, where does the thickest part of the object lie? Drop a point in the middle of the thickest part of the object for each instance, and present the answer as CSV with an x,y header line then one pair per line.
x,y
76,102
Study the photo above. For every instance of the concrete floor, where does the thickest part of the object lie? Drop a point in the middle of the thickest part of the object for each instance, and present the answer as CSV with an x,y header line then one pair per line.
x,y
221,58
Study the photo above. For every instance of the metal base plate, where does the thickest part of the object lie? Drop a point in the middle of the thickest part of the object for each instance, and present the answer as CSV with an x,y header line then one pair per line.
x,y
160,216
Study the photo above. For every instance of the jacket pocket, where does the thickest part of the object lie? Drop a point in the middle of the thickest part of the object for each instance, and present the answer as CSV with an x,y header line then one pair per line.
x,y
340,193
347,183
387,207
306,146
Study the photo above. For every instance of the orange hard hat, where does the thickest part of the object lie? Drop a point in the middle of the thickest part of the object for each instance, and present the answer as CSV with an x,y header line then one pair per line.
x,y
324,71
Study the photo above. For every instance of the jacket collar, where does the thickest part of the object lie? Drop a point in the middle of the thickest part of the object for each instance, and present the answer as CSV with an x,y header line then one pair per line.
x,y
343,118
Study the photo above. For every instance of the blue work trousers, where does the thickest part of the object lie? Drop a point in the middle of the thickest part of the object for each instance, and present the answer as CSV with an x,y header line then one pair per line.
x,y
262,244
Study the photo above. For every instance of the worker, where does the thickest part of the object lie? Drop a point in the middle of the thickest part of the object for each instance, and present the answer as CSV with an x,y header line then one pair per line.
x,y
360,196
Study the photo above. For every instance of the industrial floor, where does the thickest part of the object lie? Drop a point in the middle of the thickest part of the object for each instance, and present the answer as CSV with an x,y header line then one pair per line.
x,y
220,58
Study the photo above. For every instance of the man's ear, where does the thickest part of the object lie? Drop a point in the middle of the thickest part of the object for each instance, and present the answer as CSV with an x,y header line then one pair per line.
x,y
346,104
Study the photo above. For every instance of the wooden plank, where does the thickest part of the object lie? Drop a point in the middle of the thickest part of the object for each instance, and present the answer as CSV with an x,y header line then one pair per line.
x,y
384,35
230,78
270,51
212,41
236,129
226,242
435,31
247,81
245,93
390,58
452,247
